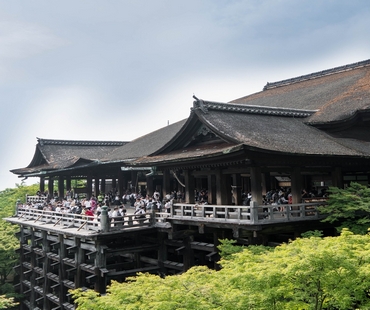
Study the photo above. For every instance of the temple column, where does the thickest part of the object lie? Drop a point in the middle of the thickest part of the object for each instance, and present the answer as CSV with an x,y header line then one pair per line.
x,y
296,186
337,177
79,258
102,186
223,188
212,194
149,186
266,183
120,183
61,187
189,187
114,183
46,267
68,183
100,262
51,187
62,270
256,185
42,184
166,187
96,187
89,186
237,189
134,181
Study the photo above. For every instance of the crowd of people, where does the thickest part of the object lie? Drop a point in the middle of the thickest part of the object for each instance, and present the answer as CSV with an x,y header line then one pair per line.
x,y
92,207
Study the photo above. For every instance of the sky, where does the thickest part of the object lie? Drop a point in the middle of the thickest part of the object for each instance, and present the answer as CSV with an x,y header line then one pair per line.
x,y
117,70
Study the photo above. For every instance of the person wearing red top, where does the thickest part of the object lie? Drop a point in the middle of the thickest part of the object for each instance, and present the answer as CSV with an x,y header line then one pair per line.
x,y
89,213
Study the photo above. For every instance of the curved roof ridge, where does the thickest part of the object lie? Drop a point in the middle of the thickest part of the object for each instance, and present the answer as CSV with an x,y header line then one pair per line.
x,y
80,142
251,109
318,74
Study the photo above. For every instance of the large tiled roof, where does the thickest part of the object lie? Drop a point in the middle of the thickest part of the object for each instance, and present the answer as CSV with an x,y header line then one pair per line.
x,y
145,145
292,116
286,134
53,154
337,93
191,153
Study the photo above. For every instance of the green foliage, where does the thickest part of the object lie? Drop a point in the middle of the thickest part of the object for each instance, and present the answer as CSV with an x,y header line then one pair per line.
x,y
310,273
227,248
312,233
349,208
9,243
7,303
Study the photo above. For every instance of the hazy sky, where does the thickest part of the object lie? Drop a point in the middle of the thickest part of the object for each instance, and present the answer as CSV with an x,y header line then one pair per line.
x,y
116,70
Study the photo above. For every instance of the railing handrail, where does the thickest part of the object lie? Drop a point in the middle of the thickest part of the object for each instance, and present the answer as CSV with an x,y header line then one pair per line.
x,y
81,221
253,214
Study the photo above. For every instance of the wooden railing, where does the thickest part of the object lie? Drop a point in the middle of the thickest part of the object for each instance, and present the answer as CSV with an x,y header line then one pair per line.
x,y
252,215
35,199
81,222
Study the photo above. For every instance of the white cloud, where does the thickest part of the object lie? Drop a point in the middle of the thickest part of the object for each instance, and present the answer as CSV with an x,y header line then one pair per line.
x,y
19,39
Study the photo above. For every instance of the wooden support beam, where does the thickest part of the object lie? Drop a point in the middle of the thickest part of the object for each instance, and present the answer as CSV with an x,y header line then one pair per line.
x,y
180,250
212,257
132,271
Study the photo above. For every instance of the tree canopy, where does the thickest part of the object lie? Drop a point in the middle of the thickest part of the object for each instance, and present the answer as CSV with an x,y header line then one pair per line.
x,y
9,243
349,208
308,273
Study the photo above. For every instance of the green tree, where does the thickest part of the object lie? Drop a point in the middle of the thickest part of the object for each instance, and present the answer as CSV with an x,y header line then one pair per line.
x,y
349,208
7,303
310,273
9,243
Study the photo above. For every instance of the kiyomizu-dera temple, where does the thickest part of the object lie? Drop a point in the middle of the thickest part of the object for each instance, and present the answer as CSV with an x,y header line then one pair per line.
x,y
224,168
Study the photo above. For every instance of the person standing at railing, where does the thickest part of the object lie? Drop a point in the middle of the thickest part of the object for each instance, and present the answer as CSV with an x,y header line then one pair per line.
x,y
149,205
139,213
168,206
89,213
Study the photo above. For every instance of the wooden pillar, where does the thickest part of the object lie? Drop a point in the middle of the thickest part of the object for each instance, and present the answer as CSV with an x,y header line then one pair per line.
x,y
266,183
256,184
114,183
102,186
120,183
32,279
188,257
68,183
51,187
22,240
79,258
337,177
198,184
100,262
46,284
42,184
89,186
166,187
223,188
212,194
189,187
237,189
61,187
162,251
134,181
96,187
296,186
62,271
149,186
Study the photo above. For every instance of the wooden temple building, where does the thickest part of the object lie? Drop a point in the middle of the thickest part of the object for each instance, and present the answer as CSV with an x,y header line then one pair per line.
x,y
306,132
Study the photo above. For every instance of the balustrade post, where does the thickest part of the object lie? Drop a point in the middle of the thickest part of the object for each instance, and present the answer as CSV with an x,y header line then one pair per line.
x,y
104,221
254,212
